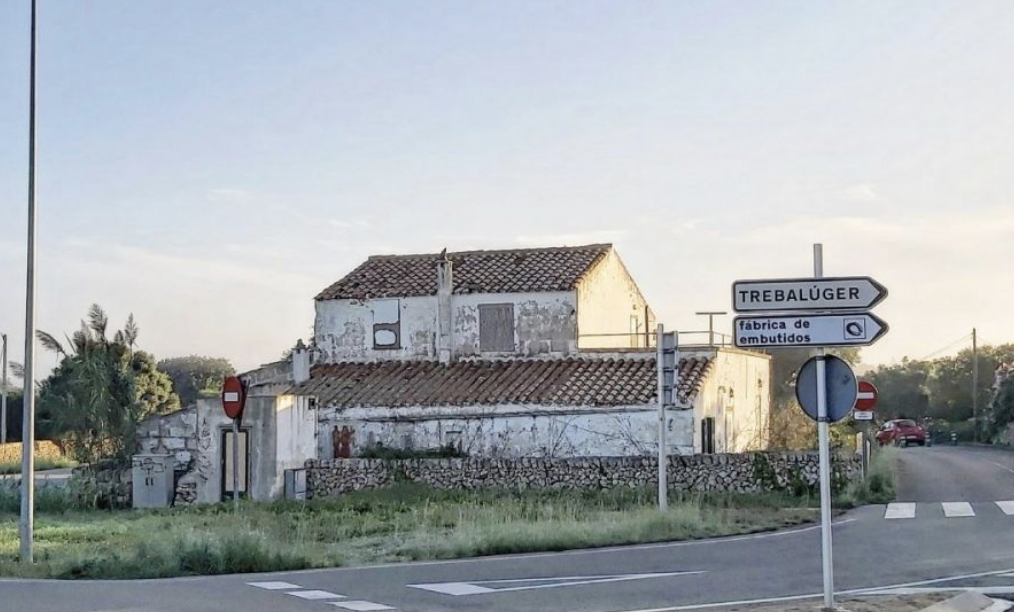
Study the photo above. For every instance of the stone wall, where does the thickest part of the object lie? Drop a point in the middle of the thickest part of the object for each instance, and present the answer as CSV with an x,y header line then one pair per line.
x,y
746,472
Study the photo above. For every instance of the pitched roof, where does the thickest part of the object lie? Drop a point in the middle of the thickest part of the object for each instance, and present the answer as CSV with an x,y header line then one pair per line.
x,y
561,382
511,271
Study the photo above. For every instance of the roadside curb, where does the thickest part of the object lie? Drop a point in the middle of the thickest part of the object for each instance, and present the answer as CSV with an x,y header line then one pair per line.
x,y
970,602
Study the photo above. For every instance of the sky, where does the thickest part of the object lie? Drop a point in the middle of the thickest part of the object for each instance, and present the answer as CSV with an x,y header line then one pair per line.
x,y
210,167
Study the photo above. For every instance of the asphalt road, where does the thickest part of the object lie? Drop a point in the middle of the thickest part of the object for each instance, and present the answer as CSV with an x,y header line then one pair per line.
x,y
935,545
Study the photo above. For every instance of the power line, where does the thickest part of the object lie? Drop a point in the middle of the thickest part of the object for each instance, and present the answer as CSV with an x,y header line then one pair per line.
x,y
948,347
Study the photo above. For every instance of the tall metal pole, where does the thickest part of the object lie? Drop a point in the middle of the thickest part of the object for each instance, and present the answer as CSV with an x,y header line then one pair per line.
x,y
663,456
235,464
975,386
27,526
3,390
824,450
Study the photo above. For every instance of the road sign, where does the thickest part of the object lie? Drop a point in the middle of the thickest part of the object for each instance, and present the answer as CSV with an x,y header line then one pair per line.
x,y
800,331
862,415
777,295
867,397
840,385
233,397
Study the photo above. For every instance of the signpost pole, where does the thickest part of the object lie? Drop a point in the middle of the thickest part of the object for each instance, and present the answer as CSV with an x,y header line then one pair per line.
x,y
825,456
235,464
3,389
663,459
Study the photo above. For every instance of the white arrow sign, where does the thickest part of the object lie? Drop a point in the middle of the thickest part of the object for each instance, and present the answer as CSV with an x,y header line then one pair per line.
x,y
842,293
792,331
526,584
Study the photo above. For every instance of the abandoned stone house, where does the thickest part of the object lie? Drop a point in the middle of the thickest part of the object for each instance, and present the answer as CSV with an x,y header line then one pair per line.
x,y
533,352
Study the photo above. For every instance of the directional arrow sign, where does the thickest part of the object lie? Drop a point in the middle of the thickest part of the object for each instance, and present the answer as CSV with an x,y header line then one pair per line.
x,y
842,293
794,331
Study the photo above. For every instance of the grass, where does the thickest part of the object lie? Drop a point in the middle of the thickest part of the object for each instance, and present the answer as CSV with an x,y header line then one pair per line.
x,y
401,523
41,463
878,488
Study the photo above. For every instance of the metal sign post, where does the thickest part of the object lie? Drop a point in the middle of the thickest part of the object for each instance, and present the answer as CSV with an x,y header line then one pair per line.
x,y
667,364
824,449
233,402
235,464
3,389
831,312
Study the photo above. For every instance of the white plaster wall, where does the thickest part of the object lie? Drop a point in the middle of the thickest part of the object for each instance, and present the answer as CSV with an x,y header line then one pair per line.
x,y
544,323
296,437
343,330
737,394
609,302
513,430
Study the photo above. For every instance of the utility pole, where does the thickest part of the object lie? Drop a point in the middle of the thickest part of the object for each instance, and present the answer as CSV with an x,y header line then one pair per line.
x,y
27,525
3,389
975,386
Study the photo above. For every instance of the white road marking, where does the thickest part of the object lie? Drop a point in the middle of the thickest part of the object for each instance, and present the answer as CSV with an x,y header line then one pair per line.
x,y
313,595
1006,506
1001,466
360,606
475,587
274,586
898,510
863,591
956,509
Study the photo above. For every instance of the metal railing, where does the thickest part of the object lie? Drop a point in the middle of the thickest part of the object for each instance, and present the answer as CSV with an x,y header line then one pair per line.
x,y
643,341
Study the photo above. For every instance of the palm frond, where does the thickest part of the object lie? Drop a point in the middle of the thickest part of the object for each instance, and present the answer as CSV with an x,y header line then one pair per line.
x,y
17,370
48,341
98,321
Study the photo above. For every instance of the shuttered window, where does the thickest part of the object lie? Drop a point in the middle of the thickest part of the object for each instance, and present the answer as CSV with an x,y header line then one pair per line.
x,y
496,328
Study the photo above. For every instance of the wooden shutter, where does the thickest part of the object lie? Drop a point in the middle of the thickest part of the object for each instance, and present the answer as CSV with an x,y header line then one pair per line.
x,y
496,328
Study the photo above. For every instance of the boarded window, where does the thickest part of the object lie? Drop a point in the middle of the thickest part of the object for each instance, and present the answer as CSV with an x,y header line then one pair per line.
x,y
496,328
386,324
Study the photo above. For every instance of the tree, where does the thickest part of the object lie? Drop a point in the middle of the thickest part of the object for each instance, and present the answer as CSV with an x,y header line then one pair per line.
x,y
196,376
101,390
902,389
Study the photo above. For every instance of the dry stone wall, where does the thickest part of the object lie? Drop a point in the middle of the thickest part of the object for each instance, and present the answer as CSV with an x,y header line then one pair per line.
x,y
747,472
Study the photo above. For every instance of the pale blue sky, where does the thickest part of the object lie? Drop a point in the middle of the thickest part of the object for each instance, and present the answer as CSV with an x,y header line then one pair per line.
x,y
211,165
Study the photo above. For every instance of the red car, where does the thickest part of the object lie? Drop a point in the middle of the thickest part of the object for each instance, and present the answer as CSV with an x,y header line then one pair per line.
x,y
901,432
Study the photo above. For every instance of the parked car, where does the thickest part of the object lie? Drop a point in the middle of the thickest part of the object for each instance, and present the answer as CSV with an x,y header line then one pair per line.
x,y
901,432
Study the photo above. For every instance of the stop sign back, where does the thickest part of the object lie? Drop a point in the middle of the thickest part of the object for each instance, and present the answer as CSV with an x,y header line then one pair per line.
x,y
866,399
233,397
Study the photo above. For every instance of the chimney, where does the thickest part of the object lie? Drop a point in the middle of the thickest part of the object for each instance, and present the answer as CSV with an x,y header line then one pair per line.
x,y
445,317
300,363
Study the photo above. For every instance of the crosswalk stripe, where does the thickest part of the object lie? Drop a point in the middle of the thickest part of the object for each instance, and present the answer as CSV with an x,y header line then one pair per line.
x,y
1006,506
956,509
274,586
361,606
315,595
900,510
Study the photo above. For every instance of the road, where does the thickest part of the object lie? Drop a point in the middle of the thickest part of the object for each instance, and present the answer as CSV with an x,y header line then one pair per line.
x,y
951,532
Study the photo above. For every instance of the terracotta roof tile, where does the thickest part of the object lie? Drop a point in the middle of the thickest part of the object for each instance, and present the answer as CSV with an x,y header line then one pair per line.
x,y
562,382
511,271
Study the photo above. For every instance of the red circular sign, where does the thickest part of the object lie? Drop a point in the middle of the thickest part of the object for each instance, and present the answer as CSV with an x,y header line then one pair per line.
x,y
867,397
233,397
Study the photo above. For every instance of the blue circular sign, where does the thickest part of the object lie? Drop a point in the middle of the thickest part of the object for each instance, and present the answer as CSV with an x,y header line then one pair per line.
x,y
842,388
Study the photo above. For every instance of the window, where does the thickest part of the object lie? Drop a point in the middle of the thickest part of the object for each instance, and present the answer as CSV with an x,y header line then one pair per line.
x,y
708,436
496,328
386,324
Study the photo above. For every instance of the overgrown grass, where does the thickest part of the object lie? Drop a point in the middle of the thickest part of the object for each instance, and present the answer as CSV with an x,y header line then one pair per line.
x,y
878,488
41,463
404,522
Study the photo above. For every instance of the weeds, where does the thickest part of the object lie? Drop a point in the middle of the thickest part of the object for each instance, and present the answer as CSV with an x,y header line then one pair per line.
x,y
403,522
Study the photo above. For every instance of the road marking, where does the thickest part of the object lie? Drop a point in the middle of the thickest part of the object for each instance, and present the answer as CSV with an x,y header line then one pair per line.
x,y
999,465
1006,506
898,510
360,606
956,509
313,595
862,591
475,588
274,586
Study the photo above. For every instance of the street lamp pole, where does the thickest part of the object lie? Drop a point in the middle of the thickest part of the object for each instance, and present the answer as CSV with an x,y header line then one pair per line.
x,y
27,526
3,389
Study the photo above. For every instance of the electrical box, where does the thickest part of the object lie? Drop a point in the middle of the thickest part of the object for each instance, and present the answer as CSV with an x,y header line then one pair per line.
x,y
295,484
154,481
